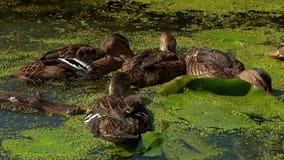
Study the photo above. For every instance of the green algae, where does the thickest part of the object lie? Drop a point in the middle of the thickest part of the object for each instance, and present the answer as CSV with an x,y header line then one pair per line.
x,y
215,6
267,139
255,119
219,103
232,39
151,15
70,141
237,112
180,143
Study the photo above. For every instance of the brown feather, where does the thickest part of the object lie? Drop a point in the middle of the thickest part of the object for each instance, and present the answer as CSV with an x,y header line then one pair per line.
x,y
119,117
77,60
212,63
151,67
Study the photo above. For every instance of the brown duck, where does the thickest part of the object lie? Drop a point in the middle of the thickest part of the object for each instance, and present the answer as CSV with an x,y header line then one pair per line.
x,y
35,104
118,116
259,78
151,67
278,53
78,60
212,63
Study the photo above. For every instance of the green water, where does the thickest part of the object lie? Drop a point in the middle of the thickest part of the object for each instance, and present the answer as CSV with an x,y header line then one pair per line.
x,y
188,124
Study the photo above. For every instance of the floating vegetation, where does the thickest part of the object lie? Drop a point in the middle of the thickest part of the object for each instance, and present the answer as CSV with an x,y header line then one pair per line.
x,y
70,141
198,118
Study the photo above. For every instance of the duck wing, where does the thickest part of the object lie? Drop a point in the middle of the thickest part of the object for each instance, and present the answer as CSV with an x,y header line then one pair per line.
x,y
158,57
67,51
78,58
123,118
105,65
37,70
81,52
118,107
131,63
212,63
147,59
53,69
157,73
170,69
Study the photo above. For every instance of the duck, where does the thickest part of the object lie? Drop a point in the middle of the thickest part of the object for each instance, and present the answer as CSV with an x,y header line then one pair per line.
x,y
205,62
278,53
78,60
155,66
258,77
118,117
36,104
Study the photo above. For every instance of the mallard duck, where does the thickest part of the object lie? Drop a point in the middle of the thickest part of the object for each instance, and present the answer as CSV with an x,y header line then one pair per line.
x,y
279,53
118,116
257,77
78,60
35,104
212,63
151,67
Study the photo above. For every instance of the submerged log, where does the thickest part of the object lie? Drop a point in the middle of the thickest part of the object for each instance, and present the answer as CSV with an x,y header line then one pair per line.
x,y
35,104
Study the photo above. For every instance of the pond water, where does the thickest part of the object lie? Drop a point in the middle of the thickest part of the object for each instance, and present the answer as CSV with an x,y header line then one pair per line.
x,y
253,132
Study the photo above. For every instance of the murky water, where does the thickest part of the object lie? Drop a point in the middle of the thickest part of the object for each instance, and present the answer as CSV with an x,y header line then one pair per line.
x,y
21,41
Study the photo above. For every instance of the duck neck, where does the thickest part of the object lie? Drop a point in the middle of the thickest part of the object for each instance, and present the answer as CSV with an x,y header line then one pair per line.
x,y
119,85
167,42
118,90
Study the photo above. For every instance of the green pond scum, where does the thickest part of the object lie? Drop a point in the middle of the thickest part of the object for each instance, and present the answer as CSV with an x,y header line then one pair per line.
x,y
194,118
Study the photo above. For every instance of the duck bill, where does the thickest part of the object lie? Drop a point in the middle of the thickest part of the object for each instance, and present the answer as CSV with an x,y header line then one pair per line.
x,y
274,54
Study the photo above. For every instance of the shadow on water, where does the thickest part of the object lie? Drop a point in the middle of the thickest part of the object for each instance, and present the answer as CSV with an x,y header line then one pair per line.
x,y
55,90
279,94
183,23
12,123
136,14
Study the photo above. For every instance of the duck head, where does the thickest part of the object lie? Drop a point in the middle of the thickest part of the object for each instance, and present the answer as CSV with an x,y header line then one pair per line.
x,y
259,78
279,53
119,85
168,42
116,45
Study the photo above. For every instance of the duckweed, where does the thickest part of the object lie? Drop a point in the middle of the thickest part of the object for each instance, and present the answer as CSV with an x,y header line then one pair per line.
x,y
189,122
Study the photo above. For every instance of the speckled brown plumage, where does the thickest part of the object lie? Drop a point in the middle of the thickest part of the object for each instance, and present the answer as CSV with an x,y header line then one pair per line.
x,y
257,77
38,71
278,53
78,60
35,104
105,65
123,118
118,116
82,52
212,63
151,67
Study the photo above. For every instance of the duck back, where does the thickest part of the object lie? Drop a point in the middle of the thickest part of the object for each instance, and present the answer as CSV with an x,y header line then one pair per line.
x,y
153,67
37,70
119,118
75,60
212,63
80,52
